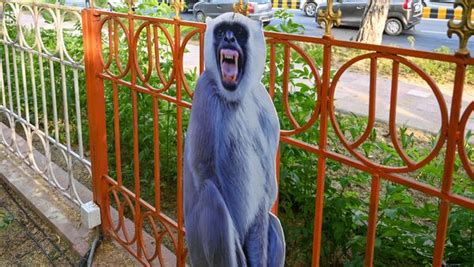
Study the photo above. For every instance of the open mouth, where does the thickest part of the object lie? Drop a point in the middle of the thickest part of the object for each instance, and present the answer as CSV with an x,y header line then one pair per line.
x,y
229,60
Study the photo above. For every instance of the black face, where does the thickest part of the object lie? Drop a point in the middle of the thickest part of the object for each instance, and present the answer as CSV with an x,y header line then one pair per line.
x,y
230,40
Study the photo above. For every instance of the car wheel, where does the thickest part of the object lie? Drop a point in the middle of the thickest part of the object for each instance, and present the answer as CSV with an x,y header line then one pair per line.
x,y
393,27
200,16
310,9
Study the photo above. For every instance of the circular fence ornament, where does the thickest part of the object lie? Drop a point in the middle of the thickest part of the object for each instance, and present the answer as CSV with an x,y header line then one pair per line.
x,y
410,165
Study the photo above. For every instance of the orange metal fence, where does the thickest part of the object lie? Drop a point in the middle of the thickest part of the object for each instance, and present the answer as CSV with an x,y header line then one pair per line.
x,y
102,34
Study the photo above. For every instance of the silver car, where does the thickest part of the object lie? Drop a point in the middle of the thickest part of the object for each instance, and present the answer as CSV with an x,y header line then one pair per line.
x,y
258,9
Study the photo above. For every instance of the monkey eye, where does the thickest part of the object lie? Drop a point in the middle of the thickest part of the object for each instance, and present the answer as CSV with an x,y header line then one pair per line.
x,y
220,32
239,32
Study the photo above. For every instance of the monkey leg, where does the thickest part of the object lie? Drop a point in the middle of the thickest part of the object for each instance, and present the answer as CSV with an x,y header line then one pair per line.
x,y
256,241
211,235
276,243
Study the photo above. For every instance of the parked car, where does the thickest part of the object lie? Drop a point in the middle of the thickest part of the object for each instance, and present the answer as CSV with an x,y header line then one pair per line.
x,y
402,14
259,9
309,6
189,5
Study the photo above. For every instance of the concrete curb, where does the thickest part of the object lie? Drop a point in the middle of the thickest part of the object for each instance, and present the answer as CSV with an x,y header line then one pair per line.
x,y
286,4
443,13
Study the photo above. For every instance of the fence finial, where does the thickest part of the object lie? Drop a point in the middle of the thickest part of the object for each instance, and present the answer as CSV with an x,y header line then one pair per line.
x,y
329,18
241,8
178,6
464,29
131,8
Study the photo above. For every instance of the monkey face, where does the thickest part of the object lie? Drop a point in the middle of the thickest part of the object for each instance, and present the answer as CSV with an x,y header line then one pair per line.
x,y
234,54
230,40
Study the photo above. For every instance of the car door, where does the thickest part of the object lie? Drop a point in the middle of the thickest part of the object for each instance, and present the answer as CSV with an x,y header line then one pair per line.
x,y
222,6
208,7
352,11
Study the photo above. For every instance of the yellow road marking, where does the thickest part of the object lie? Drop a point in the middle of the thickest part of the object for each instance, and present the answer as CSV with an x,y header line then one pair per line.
x,y
458,13
442,12
293,4
426,12
275,3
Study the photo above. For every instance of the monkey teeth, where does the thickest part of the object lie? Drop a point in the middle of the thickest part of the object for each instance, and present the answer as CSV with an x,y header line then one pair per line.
x,y
229,60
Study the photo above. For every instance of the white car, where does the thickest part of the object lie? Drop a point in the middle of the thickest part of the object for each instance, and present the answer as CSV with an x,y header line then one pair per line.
x,y
309,6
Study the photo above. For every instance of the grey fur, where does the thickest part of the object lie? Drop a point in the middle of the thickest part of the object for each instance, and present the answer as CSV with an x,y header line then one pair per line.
x,y
229,164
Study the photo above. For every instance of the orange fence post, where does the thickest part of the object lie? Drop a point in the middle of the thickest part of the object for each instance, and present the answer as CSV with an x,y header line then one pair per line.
x,y
96,109
453,136
181,255
321,171
372,223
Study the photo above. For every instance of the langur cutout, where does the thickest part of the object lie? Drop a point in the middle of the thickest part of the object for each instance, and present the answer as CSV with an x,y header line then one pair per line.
x,y
230,152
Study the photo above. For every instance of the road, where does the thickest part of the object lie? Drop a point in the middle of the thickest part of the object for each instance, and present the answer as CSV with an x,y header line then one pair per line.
x,y
430,34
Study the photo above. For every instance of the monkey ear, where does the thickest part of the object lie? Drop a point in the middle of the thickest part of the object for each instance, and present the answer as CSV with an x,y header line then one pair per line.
x,y
208,19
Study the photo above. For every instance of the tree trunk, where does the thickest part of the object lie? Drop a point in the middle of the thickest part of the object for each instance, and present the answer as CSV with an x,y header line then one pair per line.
x,y
373,22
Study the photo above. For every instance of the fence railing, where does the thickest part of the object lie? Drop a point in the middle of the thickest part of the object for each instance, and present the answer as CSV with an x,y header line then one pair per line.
x,y
153,78
140,77
43,117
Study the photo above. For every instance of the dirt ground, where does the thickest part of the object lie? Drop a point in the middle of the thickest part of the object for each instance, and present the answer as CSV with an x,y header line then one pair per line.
x,y
25,240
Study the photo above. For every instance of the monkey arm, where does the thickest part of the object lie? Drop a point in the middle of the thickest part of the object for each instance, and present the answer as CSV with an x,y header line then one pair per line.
x,y
270,127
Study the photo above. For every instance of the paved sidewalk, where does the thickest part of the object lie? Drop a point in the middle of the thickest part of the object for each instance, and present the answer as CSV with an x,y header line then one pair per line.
x,y
417,106
438,4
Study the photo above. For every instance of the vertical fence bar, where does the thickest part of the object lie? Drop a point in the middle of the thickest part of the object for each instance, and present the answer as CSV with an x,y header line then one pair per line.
x,y
96,110
8,74
60,41
41,76
374,204
272,66
77,99
24,81
453,136
181,256
132,50
321,172
117,141
17,84
54,100
67,129
156,154
2,86
33,89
